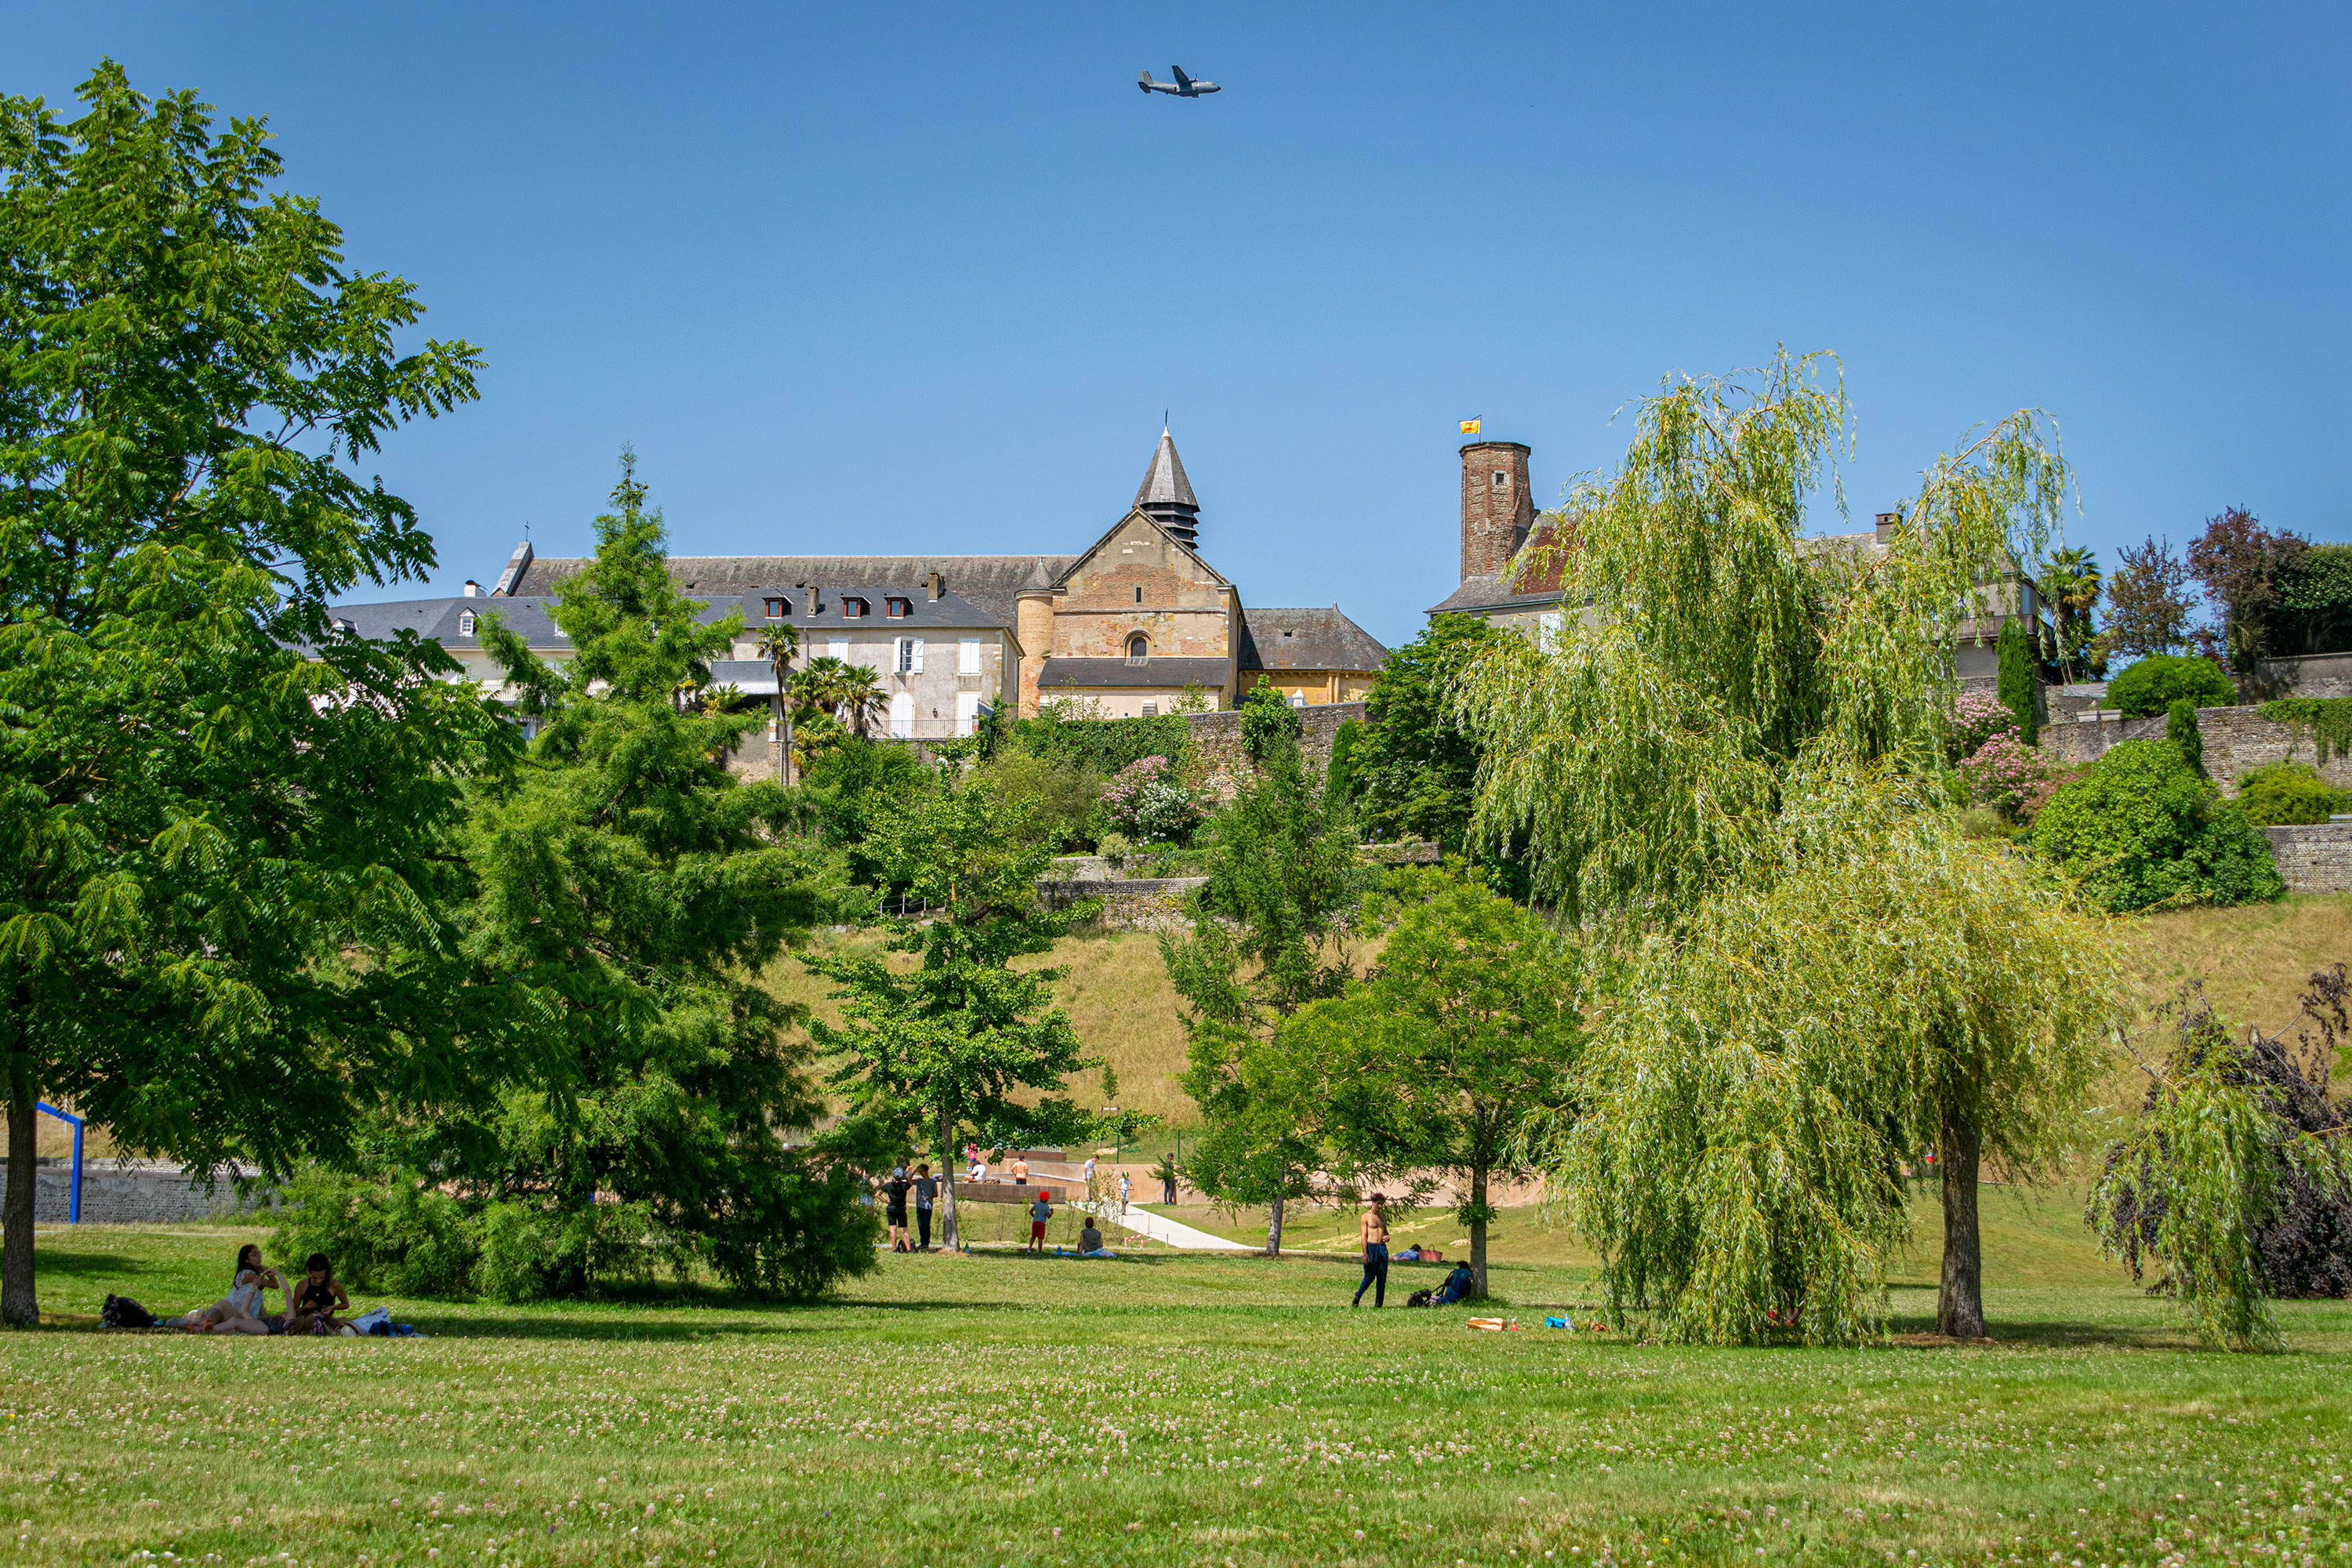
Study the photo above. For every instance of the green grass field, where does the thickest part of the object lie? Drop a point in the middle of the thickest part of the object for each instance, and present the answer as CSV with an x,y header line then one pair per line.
x,y
1000,1409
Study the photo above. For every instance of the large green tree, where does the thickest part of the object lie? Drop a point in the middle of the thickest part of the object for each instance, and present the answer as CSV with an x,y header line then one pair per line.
x,y
1730,774
962,1040
221,861
1413,772
1460,1037
1270,937
634,889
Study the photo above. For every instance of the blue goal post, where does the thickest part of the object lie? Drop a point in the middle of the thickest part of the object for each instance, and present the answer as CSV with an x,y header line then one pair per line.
x,y
73,1204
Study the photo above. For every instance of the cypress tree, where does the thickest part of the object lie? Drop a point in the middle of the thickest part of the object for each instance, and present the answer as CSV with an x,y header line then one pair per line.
x,y
2017,681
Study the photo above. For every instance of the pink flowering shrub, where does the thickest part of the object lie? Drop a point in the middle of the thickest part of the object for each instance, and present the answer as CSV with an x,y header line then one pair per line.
x,y
1147,801
2002,773
1976,718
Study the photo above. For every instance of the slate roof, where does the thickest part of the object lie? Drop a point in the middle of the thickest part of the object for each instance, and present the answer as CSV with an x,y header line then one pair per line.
x,y
437,618
1164,483
1493,594
1156,672
950,612
989,582
1306,639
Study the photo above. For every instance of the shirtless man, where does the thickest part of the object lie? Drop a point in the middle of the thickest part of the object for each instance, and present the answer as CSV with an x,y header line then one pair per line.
x,y
1374,1229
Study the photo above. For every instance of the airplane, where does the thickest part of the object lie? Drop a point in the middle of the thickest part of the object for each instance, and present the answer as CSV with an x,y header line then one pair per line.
x,y
1183,86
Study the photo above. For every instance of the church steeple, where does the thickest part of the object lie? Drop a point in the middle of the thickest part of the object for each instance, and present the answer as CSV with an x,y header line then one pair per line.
x,y
1166,494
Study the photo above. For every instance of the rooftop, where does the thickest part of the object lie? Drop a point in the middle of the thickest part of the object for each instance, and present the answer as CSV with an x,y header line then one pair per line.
x,y
1306,639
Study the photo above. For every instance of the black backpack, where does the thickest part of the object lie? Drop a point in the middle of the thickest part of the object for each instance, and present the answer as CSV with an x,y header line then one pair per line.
x,y
122,1312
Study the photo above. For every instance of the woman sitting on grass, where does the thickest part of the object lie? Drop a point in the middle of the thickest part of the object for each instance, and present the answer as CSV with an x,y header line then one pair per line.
x,y
312,1309
239,1311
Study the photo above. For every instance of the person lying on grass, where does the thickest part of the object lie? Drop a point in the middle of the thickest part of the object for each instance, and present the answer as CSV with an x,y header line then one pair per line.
x,y
314,1308
239,1311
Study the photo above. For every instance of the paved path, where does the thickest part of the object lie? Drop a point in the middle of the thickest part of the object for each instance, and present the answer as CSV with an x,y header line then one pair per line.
x,y
1160,1227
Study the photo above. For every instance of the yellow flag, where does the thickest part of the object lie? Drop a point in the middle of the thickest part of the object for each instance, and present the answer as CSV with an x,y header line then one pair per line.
x,y
1470,428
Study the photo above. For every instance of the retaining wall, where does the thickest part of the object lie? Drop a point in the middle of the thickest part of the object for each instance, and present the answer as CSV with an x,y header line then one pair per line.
x,y
2314,858
2237,740
1223,762
130,1192
1133,903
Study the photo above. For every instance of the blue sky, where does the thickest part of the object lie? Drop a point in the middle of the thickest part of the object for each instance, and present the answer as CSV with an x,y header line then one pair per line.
x,y
923,277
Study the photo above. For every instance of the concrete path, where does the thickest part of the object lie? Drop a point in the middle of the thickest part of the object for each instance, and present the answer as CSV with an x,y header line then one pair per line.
x,y
1160,1227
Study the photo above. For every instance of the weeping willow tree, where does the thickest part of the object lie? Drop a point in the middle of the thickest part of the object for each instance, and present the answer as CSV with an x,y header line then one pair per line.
x,y
1729,773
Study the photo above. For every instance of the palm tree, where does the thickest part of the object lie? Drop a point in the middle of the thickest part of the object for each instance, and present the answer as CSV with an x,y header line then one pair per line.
x,y
2070,581
860,698
818,685
778,645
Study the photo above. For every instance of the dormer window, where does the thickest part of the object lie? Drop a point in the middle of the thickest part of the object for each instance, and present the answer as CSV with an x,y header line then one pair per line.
x,y
779,608
898,609
854,608
1139,649
465,623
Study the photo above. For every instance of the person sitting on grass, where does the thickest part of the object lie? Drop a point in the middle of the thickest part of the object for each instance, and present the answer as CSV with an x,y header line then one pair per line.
x,y
1039,1212
239,1311
1090,1241
313,1307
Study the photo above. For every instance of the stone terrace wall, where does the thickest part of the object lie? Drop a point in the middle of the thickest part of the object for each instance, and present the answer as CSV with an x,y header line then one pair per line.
x,y
2317,859
1226,763
2237,740
128,1192
1132,903
2314,675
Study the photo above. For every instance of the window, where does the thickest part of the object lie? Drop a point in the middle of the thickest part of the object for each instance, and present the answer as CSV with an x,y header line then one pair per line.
x,y
1139,649
465,624
779,608
854,608
1139,595
902,716
910,655
968,657
1548,626
1502,480
899,609
1151,710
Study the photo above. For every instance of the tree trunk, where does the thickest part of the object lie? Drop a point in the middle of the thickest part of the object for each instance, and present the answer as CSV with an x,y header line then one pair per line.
x,y
18,1306
1479,1229
1959,1304
1273,1228
946,1215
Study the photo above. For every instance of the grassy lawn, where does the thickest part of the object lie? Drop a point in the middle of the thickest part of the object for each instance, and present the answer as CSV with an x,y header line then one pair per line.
x,y
1000,1409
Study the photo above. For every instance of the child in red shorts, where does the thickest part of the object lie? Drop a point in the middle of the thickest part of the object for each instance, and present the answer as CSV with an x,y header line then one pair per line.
x,y
1039,1212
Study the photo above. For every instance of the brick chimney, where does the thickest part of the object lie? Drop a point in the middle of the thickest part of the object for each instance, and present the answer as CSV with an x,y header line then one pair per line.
x,y
935,585
1888,521
1498,506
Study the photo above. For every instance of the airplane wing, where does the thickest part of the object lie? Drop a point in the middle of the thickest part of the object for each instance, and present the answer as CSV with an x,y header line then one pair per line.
x,y
1183,82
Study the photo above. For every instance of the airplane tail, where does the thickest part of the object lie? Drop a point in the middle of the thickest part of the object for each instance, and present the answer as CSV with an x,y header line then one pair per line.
x,y
1143,82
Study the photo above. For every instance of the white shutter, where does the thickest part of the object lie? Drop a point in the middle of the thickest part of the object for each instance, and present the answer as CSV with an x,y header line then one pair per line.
x,y
968,657
967,711
837,647
915,655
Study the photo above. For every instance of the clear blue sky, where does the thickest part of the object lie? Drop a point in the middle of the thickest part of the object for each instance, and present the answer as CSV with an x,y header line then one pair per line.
x,y
922,277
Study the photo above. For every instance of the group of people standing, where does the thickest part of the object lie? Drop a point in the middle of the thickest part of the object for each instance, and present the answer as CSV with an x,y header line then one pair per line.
x,y
924,1188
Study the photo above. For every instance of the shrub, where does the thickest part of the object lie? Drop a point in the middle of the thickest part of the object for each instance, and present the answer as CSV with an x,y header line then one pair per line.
x,y
390,1234
1976,718
2180,727
2152,685
531,1253
2286,793
2019,680
1146,801
2002,772
2143,831
1061,795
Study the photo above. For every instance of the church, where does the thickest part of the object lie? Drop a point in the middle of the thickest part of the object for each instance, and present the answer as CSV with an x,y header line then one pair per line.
x,y
1136,623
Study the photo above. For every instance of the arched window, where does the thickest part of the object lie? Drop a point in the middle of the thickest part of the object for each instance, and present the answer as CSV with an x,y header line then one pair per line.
x,y
1138,649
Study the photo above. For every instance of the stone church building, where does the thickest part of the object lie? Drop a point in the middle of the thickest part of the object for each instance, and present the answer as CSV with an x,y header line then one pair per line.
x,y
1135,623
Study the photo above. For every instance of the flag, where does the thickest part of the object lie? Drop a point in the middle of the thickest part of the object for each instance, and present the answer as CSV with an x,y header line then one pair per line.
x,y
1470,428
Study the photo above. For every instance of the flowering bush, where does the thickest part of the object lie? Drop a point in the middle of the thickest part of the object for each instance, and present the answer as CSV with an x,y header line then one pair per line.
x,y
1146,801
1976,718
2002,772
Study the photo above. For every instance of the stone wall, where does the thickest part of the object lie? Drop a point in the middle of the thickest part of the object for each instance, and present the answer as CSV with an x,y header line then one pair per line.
x,y
2237,740
129,1192
2317,675
1133,903
2317,859
1223,762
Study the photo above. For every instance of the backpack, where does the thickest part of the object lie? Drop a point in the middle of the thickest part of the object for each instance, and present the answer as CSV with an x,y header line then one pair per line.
x,y
1458,1285
122,1312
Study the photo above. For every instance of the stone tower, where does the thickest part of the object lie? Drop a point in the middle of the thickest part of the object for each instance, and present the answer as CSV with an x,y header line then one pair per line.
x,y
1166,494
1498,506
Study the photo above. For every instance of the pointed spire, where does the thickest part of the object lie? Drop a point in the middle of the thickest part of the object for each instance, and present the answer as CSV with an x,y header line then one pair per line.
x,y
1166,494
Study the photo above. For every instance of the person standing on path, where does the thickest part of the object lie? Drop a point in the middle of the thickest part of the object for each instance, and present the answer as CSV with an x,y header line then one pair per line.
x,y
1091,1193
1125,1187
1039,1212
896,1215
1374,1229
927,1192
